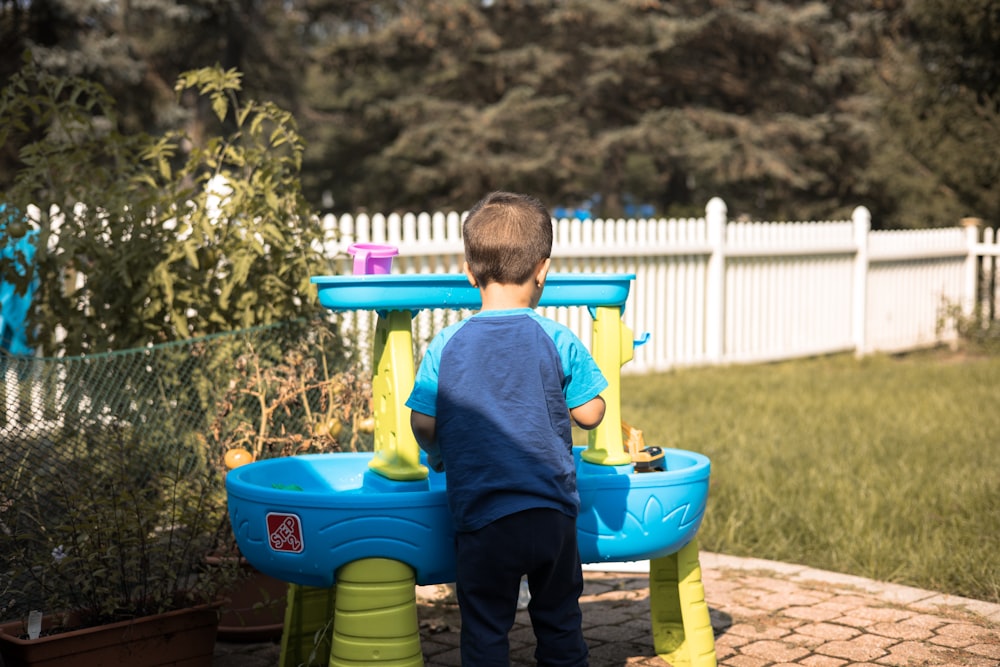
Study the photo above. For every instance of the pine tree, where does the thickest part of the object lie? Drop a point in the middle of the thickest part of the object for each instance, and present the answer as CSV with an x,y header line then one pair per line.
x,y
432,104
936,158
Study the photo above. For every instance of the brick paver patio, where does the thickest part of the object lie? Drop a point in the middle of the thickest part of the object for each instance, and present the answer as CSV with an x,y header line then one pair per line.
x,y
765,614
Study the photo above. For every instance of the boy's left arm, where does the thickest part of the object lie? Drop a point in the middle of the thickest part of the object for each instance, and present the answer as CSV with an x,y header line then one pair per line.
x,y
425,431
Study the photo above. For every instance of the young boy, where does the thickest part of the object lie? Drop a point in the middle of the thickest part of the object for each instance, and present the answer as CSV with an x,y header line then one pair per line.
x,y
491,403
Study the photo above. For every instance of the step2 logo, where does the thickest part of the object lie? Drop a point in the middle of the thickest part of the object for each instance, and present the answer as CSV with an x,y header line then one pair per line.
x,y
284,532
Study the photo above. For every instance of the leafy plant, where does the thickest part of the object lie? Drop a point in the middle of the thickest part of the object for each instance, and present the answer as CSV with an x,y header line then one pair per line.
x,y
978,331
107,529
111,489
298,398
143,239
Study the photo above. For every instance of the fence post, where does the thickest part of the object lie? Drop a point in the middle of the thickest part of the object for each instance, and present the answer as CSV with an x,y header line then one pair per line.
x,y
862,219
715,287
331,235
970,287
347,230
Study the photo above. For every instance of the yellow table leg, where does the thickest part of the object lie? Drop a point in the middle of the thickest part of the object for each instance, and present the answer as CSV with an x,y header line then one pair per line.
x,y
612,347
305,641
397,455
376,617
682,628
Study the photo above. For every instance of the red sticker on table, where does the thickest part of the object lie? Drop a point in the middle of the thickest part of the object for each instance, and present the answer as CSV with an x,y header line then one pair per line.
x,y
284,532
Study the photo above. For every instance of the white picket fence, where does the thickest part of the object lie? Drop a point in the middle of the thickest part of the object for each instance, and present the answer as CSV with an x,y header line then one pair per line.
x,y
707,290
714,291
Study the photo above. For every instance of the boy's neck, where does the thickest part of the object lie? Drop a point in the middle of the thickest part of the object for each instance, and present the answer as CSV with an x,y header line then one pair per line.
x,y
497,296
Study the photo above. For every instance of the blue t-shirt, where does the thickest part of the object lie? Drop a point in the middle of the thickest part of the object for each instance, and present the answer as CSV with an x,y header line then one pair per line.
x,y
500,385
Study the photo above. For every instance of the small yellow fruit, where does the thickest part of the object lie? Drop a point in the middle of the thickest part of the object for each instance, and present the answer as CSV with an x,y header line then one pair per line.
x,y
330,428
238,457
367,425
334,427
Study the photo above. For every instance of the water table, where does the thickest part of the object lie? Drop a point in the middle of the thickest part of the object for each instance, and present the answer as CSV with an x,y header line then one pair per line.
x,y
354,533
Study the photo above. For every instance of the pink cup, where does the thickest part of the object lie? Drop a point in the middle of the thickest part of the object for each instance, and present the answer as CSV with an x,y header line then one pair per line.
x,y
372,258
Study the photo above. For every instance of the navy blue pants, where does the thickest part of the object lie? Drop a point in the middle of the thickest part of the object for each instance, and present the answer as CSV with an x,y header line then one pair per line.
x,y
540,543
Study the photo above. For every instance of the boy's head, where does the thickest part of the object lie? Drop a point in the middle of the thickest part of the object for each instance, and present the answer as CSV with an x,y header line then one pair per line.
x,y
506,237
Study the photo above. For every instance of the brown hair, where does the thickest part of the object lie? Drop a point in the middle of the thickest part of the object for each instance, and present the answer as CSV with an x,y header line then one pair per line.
x,y
506,236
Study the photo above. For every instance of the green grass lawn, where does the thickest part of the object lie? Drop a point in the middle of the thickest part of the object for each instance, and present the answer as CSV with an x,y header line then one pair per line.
x,y
886,467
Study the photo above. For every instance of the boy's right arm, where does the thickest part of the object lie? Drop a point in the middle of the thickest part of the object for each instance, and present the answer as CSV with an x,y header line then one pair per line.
x,y
425,431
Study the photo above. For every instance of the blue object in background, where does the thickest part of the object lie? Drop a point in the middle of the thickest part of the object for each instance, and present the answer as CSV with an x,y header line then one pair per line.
x,y
13,306
580,213
634,209
584,211
639,211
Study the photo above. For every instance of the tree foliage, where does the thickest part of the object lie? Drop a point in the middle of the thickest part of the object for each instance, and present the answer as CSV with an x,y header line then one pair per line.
x,y
935,158
785,108
136,51
436,102
139,241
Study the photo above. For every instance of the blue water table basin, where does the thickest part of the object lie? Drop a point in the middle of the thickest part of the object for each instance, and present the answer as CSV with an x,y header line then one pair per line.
x,y
300,518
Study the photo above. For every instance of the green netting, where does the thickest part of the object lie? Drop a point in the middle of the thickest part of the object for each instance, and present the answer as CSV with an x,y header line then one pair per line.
x,y
146,432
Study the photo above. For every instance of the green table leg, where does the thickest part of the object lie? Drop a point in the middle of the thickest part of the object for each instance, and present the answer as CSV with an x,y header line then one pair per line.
x,y
308,631
682,628
375,621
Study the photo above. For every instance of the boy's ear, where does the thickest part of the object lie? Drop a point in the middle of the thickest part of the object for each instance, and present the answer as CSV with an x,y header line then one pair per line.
x,y
468,274
542,271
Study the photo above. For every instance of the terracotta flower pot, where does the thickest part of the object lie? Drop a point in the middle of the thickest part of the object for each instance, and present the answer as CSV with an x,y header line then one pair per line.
x,y
182,638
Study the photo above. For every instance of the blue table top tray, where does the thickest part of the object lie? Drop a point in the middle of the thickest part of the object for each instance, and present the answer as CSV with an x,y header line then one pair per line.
x,y
453,291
